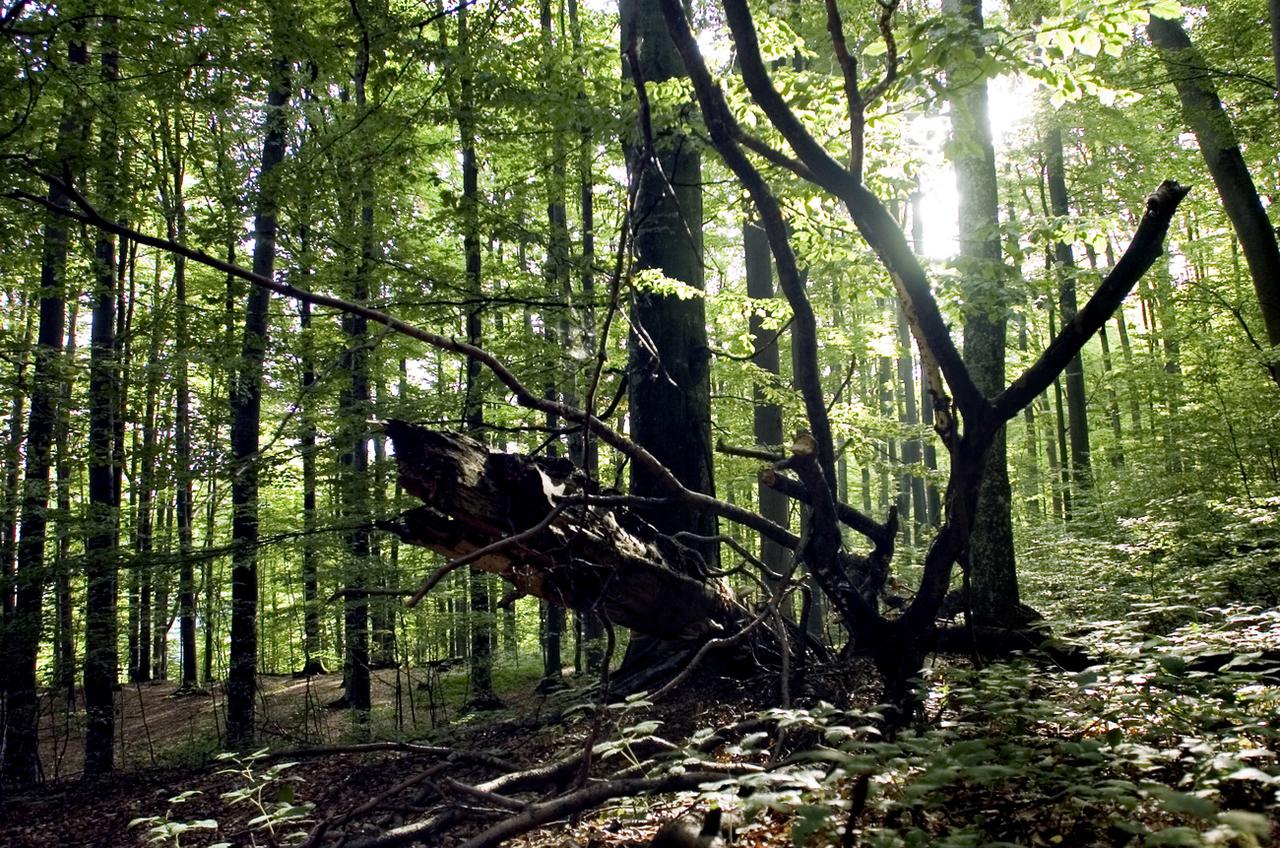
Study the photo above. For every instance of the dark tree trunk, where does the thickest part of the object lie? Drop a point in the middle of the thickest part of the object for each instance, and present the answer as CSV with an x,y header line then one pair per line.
x,y
172,179
246,407
11,465
146,506
64,649
354,411
22,633
100,651
766,414
483,627
307,448
1203,112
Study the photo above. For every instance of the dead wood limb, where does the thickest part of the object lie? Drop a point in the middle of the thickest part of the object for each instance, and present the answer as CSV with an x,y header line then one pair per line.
x,y
500,801
586,798
762,454
880,535
454,754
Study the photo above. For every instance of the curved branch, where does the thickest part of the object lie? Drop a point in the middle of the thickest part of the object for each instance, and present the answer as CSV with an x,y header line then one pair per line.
x,y
1146,247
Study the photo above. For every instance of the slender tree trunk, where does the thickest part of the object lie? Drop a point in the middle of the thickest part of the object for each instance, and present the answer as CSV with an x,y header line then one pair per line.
x,y
246,405
307,447
11,465
766,414
354,411
912,452
929,452
65,651
1064,260
173,177
483,627
22,633
100,651
1108,370
146,507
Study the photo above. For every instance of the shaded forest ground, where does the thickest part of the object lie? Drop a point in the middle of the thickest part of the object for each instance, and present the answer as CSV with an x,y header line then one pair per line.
x,y
1172,739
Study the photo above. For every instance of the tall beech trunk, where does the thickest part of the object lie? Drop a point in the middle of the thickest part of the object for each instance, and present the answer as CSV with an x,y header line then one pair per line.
x,y
912,448
1065,263
171,180
311,605
246,409
101,563
11,465
22,633
354,409
992,573
929,452
670,362
145,476
483,627
1203,112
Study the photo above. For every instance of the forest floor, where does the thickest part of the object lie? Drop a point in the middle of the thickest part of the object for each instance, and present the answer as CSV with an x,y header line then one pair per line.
x,y
1149,747
168,743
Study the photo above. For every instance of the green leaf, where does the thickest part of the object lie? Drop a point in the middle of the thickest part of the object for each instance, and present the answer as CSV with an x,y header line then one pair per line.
x,y
1175,836
1183,802
1168,9
810,818
1246,822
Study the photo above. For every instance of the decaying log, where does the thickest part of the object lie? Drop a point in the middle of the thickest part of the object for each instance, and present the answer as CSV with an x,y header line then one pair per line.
x,y
590,557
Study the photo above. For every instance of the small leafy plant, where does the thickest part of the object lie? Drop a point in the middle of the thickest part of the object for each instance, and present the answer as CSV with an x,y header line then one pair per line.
x,y
271,792
166,829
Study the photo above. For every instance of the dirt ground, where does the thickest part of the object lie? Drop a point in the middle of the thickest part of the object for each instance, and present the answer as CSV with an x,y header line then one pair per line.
x,y
168,740
168,743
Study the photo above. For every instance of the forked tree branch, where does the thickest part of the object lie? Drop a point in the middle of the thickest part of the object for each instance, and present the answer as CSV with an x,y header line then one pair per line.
x,y
869,215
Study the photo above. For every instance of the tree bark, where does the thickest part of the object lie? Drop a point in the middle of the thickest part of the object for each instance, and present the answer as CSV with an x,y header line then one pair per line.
x,y
587,557
1064,261
353,413
101,537
766,414
64,648
1203,112
22,633
992,573
172,180
246,407
670,362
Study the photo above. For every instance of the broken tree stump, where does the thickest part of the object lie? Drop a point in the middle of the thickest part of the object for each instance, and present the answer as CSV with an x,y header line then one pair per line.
x,y
590,557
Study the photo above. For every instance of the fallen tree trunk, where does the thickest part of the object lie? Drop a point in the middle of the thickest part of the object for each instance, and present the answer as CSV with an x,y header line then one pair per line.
x,y
595,555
